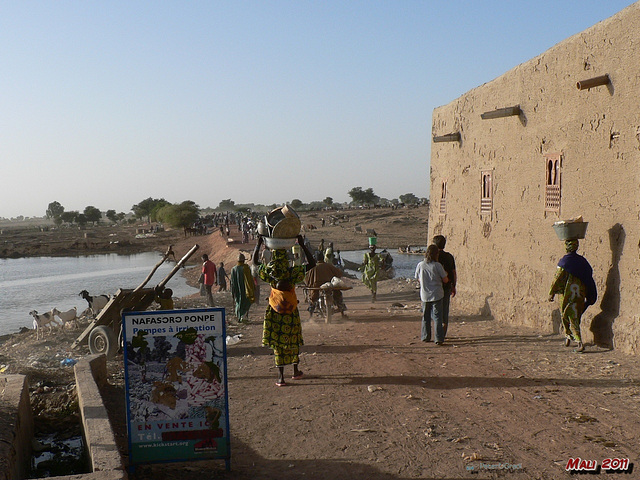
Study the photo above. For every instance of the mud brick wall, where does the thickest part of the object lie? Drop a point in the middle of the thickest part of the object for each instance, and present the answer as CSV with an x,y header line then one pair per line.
x,y
507,257
16,430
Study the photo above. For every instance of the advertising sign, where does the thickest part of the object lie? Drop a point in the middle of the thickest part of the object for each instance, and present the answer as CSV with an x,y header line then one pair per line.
x,y
176,385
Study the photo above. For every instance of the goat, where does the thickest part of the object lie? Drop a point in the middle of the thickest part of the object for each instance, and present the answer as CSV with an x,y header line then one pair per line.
x,y
170,254
96,303
68,316
42,320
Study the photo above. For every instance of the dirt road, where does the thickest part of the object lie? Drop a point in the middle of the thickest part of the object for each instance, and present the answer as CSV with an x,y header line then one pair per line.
x,y
377,403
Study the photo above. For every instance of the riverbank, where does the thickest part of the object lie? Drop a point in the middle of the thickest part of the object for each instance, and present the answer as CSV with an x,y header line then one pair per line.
x,y
346,228
18,241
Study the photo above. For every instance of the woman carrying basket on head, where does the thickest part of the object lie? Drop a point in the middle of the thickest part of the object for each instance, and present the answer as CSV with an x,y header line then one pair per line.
x,y
282,330
574,283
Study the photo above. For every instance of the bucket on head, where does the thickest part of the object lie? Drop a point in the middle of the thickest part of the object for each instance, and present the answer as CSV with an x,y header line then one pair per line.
x,y
373,241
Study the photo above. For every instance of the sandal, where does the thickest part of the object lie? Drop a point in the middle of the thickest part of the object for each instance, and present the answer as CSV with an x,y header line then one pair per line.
x,y
280,384
298,376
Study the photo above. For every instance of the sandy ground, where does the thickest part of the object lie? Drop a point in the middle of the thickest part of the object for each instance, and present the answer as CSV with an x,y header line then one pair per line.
x,y
375,402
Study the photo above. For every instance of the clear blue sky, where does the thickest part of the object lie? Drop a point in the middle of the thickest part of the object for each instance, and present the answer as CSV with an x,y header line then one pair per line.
x,y
109,103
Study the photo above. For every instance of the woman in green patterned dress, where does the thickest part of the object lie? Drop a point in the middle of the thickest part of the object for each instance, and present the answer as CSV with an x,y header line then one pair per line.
x,y
282,330
371,270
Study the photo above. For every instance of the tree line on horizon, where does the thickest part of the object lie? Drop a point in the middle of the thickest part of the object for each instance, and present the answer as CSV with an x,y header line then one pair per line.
x,y
185,213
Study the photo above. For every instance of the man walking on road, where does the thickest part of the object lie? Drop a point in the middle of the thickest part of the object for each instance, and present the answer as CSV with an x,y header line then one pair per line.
x,y
242,288
449,264
210,273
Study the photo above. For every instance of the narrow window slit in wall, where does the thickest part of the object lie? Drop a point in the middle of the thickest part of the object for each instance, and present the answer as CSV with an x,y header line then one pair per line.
x,y
486,199
552,194
443,198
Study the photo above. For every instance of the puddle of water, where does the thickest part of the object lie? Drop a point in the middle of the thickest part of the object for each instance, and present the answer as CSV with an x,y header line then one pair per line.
x,y
59,457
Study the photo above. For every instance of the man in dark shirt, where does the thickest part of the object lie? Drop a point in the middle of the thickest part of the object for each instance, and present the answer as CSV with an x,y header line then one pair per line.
x,y
449,264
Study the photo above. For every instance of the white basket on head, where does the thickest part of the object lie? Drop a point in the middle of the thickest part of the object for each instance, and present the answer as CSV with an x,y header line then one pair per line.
x,y
279,243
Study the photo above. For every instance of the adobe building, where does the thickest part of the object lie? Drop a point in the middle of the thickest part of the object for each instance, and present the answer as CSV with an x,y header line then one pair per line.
x,y
554,138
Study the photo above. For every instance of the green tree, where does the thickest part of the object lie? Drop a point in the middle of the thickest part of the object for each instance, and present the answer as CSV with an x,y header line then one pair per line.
x,y
409,199
120,216
296,204
81,219
69,217
314,206
92,214
112,215
328,201
154,212
148,207
227,204
179,215
54,210
363,197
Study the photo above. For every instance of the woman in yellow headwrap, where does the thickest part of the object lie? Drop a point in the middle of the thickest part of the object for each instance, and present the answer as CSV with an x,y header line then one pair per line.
x,y
574,283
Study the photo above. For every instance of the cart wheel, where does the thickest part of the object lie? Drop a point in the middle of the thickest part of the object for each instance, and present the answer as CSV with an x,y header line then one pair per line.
x,y
103,340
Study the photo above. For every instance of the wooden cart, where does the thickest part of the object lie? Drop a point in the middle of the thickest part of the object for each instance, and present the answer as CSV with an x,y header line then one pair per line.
x,y
104,332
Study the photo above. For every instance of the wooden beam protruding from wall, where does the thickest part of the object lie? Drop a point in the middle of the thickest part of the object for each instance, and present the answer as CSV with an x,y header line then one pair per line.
x,y
450,137
593,82
502,112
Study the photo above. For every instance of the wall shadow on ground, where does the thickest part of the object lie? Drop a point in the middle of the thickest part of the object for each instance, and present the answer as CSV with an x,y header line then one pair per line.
x,y
247,464
395,297
395,316
496,339
470,318
452,383
239,351
602,324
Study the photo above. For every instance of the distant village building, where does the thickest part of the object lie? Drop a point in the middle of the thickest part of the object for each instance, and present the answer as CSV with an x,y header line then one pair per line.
x,y
553,138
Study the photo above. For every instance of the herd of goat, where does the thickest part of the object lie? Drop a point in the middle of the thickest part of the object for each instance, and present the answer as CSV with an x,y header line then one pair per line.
x,y
48,319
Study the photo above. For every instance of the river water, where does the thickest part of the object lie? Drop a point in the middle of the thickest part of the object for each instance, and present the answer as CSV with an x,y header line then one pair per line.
x,y
41,283
404,265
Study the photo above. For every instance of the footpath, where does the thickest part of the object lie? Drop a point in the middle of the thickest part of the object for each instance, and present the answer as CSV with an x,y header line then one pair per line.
x,y
375,402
